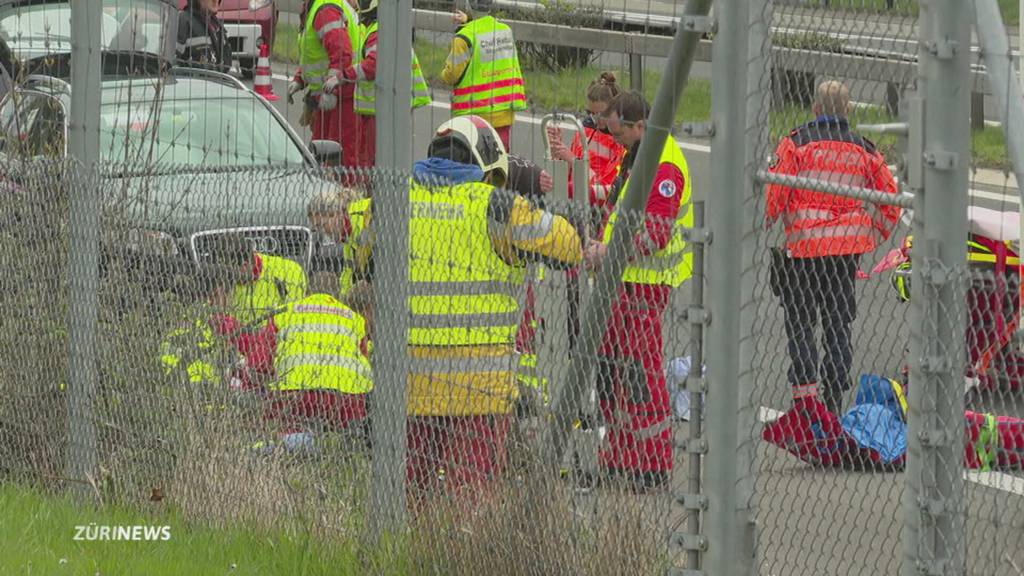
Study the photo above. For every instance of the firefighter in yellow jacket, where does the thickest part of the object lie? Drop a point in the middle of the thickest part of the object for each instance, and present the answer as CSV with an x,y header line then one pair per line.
x,y
483,69
470,243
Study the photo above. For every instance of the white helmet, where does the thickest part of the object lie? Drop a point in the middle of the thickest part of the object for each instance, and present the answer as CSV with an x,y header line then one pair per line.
x,y
474,136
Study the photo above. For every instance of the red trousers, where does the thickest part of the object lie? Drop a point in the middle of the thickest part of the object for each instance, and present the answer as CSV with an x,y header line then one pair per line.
x,y
340,125
466,451
631,383
367,148
295,410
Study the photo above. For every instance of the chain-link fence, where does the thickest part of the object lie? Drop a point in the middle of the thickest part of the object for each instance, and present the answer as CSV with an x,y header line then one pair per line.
x,y
417,371
833,363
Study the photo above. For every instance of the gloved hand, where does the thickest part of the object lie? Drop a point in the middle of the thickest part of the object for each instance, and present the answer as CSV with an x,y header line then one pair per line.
x,y
293,87
330,84
328,101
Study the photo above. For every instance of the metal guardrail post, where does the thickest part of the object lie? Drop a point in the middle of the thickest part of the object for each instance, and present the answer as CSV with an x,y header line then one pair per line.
x,y
391,254
977,111
636,72
933,498
84,247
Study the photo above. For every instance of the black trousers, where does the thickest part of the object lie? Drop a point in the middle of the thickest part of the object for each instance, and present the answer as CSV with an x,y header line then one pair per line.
x,y
809,289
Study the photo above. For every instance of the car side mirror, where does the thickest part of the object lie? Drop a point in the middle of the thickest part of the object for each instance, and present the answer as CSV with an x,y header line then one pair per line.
x,y
327,152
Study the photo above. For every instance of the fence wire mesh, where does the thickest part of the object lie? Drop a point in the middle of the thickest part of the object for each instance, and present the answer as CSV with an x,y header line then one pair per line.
x,y
232,373
235,314
836,488
826,322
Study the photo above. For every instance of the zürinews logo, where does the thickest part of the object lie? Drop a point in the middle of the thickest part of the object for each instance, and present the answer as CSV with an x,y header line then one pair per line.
x,y
139,533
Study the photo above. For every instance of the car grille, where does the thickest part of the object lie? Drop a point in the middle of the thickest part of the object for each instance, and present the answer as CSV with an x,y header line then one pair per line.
x,y
292,242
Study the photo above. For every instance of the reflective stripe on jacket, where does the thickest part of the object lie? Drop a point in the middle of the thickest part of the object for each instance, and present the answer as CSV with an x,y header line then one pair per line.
x,y
196,346
280,281
365,98
492,81
820,224
464,305
670,265
313,58
318,347
605,156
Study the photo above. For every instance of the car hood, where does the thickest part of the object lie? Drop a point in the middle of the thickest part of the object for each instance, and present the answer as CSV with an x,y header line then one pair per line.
x,y
185,203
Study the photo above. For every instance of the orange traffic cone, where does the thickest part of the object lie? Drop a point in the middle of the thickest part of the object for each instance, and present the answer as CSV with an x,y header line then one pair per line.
x,y
261,83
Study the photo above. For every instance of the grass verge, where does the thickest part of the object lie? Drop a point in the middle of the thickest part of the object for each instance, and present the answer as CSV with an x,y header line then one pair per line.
x,y
37,537
563,91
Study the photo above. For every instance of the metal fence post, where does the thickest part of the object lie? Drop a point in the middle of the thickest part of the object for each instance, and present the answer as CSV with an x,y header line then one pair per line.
x,y
84,249
391,255
725,218
933,503
758,20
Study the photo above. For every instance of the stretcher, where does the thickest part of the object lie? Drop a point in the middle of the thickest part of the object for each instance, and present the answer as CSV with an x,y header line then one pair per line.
x,y
995,359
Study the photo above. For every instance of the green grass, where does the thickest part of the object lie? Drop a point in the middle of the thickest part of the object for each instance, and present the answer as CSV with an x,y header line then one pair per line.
x,y
37,537
564,91
1009,8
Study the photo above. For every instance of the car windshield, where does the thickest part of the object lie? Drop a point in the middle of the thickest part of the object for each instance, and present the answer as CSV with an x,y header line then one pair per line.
x,y
135,25
215,132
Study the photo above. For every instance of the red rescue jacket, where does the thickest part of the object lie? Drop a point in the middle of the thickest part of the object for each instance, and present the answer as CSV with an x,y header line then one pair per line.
x,y
819,224
605,156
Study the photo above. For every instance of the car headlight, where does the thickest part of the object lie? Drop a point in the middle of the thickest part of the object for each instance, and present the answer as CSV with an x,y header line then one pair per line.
x,y
255,5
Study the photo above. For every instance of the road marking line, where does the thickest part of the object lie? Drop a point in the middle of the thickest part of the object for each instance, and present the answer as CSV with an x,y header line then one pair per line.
x,y
996,480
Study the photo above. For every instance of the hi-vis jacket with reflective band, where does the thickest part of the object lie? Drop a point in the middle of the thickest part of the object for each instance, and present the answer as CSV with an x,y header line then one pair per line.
x,y
980,249
366,97
196,345
313,58
318,347
820,224
670,265
469,246
280,281
493,81
605,156
357,212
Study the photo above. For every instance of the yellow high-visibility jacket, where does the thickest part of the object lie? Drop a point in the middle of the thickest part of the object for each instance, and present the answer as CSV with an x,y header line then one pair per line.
x,y
469,247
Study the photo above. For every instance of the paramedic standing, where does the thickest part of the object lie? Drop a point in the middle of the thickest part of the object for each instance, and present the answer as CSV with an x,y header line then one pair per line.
x,y
483,69
328,41
364,73
631,381
825,236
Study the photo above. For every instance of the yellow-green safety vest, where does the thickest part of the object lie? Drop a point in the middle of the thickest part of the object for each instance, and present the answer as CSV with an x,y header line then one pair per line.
x,y
671,265
366,97
357,227
197,345
318,347
313,58
281,281
492,82
461,293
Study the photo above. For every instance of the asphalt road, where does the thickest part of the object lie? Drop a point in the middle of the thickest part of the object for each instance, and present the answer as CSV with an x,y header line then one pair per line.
x,y
810,521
